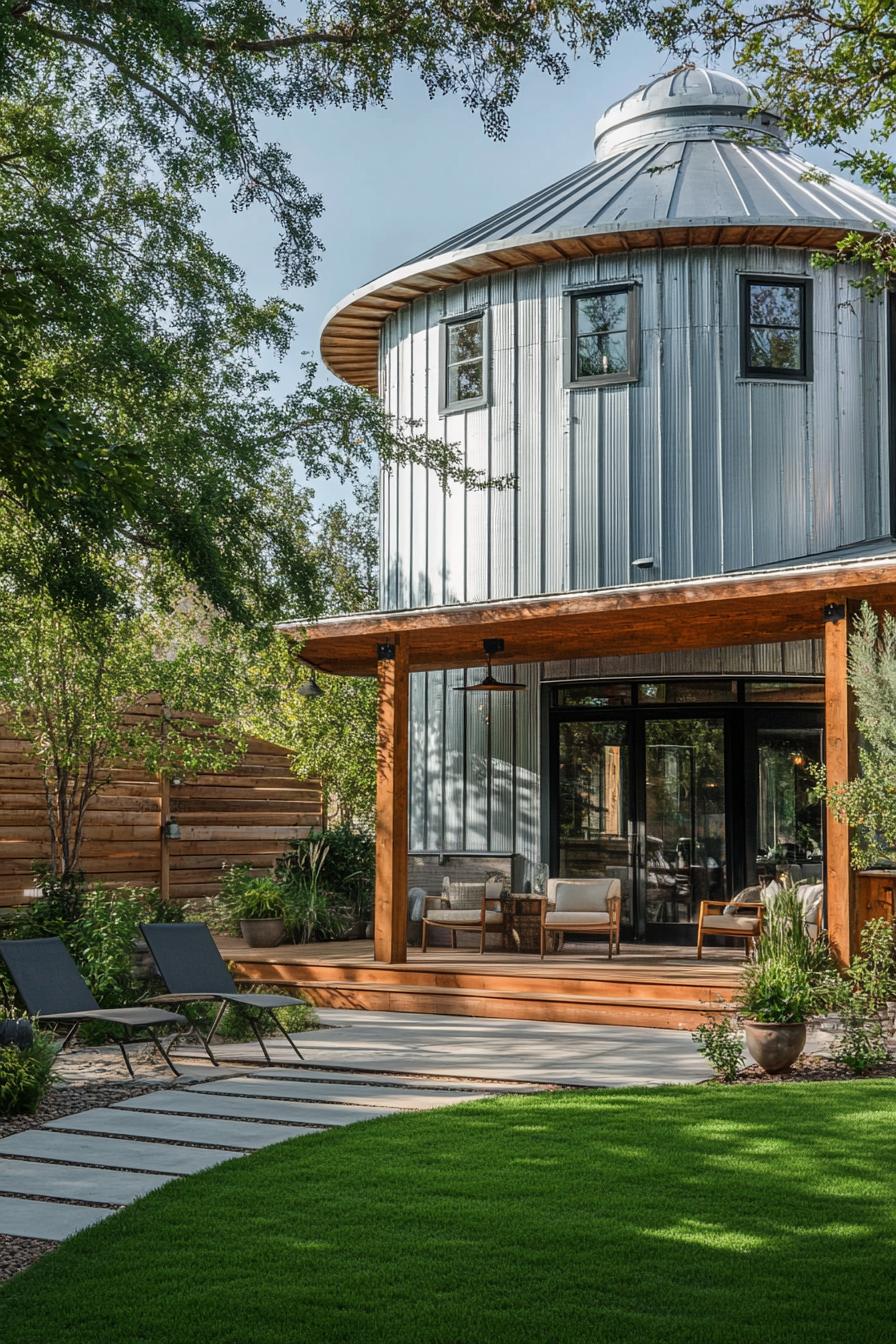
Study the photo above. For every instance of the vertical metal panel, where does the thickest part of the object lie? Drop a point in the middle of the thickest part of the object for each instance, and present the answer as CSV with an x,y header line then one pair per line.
x,y
404,503
675,429
455,501
419,580
825,482
418,752
437,427
735,426
706,458
435,760
586,450
527,797
646,432
555,538
530,436
851,415
454,765
476,765
502,517
502,765
612,507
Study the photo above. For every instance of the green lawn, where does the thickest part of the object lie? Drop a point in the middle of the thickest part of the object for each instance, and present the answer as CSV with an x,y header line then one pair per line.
x,y
681,1214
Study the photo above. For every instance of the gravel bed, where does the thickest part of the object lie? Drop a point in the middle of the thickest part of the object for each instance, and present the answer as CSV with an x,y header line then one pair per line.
x,y
17,1253
74,1097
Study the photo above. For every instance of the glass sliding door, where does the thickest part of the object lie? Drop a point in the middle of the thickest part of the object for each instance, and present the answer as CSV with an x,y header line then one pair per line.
x,y
594,822
684,856
789,821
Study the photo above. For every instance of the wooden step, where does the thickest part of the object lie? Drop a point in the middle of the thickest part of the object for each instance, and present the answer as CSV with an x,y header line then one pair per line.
x,y
634,984
542,1005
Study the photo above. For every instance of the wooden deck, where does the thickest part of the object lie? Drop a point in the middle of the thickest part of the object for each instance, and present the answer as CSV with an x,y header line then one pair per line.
x,y
646,985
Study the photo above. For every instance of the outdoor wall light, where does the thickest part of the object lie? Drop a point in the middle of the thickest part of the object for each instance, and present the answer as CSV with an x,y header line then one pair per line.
x,y
310,689
490,682
171,830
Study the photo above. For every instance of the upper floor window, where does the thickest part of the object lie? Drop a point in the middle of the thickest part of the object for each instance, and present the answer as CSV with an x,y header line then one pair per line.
x,y
602,335
464,371
775,327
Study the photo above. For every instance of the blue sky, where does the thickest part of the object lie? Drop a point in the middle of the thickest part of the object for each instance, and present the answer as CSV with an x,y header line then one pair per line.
x,y
399,179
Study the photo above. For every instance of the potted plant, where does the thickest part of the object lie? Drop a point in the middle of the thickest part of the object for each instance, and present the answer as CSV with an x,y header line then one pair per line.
x,y
790,982
261,912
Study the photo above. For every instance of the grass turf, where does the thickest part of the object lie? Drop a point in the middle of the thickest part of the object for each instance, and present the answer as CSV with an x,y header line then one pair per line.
x,y
677,1215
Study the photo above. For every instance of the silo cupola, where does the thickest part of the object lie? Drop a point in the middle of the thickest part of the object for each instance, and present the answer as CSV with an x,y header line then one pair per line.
x,y
689,103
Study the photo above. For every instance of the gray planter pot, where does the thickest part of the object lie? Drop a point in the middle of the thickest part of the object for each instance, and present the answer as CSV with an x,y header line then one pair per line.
x,y
262,932
775,1045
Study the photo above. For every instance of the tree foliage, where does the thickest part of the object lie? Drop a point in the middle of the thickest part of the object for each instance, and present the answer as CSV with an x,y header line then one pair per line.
x,y
138,413
167,691
868,802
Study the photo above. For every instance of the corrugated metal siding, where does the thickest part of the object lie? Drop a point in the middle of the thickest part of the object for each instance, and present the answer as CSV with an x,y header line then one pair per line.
x,y
702,470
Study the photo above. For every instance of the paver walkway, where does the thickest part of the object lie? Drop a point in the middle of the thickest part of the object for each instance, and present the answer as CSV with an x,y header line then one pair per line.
x,y
563,1053
73,1171
78,1169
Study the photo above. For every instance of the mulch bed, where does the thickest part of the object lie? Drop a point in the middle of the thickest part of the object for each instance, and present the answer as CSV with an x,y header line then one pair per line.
x,y
811,1069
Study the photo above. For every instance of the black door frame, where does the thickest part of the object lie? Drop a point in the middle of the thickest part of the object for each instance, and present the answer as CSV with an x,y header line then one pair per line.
x,y
741,720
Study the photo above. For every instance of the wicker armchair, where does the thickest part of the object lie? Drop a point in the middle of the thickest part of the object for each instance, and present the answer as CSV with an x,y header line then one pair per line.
x,y
473,907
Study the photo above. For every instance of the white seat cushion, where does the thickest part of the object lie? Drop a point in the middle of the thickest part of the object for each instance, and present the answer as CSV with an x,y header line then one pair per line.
x,y
734,923
569,919
470,917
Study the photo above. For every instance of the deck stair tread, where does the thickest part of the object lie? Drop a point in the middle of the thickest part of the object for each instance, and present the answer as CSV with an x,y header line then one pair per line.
x,y
548,996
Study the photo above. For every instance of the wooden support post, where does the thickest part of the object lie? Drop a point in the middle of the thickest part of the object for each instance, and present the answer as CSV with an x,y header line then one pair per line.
x,y
840,761
390,915
164,851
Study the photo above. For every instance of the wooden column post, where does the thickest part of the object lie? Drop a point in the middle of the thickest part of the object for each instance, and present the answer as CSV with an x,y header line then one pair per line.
x,y
390,915
840,754
164,852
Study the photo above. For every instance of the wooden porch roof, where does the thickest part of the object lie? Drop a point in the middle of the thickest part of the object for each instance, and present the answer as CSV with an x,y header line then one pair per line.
x,y
753,608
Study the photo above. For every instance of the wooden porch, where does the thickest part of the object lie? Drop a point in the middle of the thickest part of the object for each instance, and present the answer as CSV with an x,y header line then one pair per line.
x,y
647,985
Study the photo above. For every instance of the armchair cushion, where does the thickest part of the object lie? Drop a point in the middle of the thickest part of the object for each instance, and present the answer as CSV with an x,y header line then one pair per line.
x,y
578,894
579,918
732,923
470,917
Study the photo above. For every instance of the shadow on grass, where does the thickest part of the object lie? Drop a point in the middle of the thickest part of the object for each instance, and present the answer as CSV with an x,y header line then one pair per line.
x,y
679,1215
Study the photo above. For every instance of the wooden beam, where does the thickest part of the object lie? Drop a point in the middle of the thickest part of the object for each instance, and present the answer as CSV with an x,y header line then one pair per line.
x,y
839,719
390,915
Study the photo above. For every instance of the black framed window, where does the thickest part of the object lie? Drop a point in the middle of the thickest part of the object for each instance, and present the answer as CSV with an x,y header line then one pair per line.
x,y
464,374
776,327
602,340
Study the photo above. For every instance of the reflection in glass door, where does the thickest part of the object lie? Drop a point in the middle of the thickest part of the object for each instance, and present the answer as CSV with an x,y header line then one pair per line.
x,y
789,821
593,803
684,858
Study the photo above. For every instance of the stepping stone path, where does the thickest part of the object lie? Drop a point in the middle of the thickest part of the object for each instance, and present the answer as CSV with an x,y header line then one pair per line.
x,y
74,1171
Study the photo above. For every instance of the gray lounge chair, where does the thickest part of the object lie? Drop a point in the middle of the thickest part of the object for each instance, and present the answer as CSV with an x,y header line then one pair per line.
x,y
194,970
52,988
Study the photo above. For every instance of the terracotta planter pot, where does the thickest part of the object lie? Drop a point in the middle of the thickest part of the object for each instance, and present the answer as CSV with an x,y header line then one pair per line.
x,y
775,1045
262,932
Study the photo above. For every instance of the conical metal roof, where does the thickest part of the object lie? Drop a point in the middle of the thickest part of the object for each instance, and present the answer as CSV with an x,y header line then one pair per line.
x,y
691,157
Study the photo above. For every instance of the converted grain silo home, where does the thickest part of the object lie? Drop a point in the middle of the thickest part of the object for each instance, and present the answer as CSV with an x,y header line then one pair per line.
x,y
699,423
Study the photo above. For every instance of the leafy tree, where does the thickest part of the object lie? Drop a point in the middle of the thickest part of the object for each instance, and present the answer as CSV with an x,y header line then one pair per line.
x,y
333,737
136,413
868,802
90,692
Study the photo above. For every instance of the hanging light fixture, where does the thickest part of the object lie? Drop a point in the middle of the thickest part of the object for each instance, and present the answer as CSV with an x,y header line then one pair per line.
x,y
310,689
490,682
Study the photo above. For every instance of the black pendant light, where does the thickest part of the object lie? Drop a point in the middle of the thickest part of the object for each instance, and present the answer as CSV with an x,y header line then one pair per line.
x,y
310,689
490,682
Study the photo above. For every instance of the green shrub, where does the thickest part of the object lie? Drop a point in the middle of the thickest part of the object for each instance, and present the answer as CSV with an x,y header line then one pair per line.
x,y
721,1044
312,910
348,868
25,1074
793,977
861,1044
872,972
777,991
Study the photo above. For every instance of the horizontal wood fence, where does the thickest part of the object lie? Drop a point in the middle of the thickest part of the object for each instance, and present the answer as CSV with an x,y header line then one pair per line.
x,y
247,815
